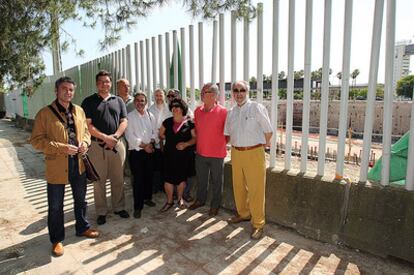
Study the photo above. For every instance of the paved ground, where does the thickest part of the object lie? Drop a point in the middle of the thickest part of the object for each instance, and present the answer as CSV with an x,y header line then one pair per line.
x,y
178,242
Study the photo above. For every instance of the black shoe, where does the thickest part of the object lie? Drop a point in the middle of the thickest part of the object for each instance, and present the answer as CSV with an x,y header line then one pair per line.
x,y
101,220
137,214
150,203
188,198
123,214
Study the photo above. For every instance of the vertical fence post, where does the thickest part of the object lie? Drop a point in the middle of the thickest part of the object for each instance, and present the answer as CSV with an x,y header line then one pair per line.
x,y
141,50
148,63
260,52
183,65
343,116
192,80
306,86
275,81
167,59
372,88
136,62
175,59
388,93
221,60
290,84
323,121
214,54
161,62
200,56
246,48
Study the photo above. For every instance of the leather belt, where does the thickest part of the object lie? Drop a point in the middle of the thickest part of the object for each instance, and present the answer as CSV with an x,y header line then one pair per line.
x,y
96,139
247,147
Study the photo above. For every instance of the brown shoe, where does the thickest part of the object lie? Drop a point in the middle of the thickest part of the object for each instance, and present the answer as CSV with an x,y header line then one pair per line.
x,y
91,233
196,205
57,249
257,233
213,212
238,219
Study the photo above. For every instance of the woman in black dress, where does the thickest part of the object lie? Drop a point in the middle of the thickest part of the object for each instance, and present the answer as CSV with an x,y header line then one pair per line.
x,y
179,134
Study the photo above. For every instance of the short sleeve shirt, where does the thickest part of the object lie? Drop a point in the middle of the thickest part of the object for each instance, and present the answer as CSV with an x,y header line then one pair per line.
x,y
106,114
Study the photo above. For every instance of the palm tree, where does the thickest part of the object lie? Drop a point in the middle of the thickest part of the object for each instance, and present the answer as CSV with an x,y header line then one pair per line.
x,y
354,75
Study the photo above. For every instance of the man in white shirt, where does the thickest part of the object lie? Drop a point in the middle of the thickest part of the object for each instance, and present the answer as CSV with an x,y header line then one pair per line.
x,y
141,134
249,129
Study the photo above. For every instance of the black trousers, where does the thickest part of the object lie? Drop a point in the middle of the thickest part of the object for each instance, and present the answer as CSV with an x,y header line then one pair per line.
x,y
141,165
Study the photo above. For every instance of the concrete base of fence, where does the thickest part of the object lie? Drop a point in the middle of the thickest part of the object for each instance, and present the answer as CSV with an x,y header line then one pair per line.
x,y
374,219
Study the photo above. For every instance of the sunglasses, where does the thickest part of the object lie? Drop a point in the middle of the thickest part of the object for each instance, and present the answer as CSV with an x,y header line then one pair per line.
x,y
236,91
170,96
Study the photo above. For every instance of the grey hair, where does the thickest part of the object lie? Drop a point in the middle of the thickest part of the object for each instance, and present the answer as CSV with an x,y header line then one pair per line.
x,y
244,83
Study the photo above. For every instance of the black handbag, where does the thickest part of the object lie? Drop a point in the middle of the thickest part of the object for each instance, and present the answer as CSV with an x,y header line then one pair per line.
x,y
90,170
91,173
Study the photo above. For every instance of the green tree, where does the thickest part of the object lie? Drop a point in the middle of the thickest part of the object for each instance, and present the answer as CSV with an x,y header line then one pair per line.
x,y
405,86
298,74
29,27
281,75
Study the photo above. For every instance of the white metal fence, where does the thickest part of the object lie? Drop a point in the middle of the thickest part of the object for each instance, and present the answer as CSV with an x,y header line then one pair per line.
x,y
147,65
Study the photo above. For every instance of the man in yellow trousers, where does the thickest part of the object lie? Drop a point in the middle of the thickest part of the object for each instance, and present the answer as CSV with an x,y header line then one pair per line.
x,y
249,130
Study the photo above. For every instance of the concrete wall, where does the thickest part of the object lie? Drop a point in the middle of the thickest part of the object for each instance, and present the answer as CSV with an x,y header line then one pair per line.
x,y
374,219
356,114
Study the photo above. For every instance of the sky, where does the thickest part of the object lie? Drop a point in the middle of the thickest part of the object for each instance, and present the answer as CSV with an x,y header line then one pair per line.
x,y
174,16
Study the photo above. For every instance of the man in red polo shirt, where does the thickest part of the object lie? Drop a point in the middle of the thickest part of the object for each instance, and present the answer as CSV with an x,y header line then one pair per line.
x,y
209,121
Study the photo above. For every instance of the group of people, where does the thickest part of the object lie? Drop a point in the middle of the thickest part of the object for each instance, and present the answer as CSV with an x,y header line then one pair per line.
x,y
166,141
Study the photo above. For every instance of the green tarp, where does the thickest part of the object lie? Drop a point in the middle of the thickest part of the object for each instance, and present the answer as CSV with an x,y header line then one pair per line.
x,y
398,163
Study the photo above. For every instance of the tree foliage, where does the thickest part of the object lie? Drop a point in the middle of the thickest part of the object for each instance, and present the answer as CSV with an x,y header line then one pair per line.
x,y
26,27
405,86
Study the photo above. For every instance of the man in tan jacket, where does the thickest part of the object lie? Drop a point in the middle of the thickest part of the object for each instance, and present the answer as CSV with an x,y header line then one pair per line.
x,y
61,133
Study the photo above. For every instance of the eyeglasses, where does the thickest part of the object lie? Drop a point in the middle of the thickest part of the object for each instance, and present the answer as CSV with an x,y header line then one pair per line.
x,y
236,91
170,96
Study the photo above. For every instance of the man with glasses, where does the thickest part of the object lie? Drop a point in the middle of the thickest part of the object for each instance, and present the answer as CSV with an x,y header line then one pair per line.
x,y
209,120
141,134
106,116
249,129
61,133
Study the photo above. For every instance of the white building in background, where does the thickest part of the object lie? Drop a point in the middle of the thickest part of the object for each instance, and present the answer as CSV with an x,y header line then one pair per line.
x,y
403,51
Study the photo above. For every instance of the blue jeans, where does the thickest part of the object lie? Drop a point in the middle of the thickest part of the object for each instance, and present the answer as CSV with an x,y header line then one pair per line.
x,y
55,196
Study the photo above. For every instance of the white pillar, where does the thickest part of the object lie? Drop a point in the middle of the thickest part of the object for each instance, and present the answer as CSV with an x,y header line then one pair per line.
x,y
214,54
372,88
221,59
183,67
323,122
128,64
306,87
175,59
192,80
246,48
260,52
167,59
275,81
141,50
233,50
388,93
148,62
290,83
161,61
343,116
136,62
154,67
200,56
